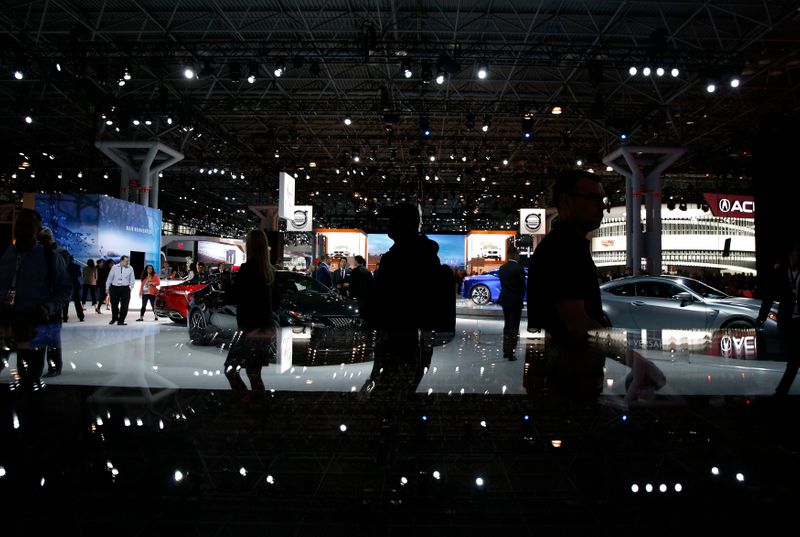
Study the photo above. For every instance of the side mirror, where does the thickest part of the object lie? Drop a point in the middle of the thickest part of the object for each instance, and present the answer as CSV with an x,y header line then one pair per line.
x,y
685,298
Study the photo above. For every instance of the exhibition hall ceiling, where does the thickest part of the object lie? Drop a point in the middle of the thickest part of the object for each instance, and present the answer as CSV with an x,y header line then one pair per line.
x,y
348,96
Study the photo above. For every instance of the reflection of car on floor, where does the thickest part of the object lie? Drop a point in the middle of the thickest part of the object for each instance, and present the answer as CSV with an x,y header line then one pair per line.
x,y
172,301
483,288
657,302
304,302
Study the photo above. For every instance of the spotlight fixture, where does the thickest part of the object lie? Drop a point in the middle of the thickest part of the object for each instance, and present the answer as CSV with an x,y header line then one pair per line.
x,y
486,123
280,68
405,67
711,87
440,77
28,119
556,110
19,74
188,72
527,127
348,121
424,127
252,72
660,71
632,71
126,74
675,72
735,82
646,71
483,71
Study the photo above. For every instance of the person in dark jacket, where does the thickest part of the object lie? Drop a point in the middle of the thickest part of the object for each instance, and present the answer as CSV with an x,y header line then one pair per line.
x,y
34,286
323,273
74,271
361,284
254,293
103,268
512,294
409,326
783,286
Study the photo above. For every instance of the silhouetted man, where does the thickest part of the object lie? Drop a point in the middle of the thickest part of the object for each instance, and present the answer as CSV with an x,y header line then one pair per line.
x,y
340,278
512,295
361,284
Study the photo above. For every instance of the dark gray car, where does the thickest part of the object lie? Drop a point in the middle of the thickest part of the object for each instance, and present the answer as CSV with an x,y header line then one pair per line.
x,y
653,302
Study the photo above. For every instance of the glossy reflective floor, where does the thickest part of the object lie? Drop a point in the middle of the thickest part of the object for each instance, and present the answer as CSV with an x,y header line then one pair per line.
x,y
664,432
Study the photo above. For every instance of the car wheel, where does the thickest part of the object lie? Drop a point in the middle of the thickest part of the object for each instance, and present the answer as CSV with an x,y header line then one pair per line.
x,y
198,327
739,323
480,295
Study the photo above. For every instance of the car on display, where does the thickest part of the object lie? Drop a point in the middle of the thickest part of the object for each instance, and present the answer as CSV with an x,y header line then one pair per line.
x,y
172,301
484,288
490,252
667,302
304,302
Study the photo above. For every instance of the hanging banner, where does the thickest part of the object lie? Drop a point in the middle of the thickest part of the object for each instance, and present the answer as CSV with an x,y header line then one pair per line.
x,y
300,218
532,221
286,196
731,205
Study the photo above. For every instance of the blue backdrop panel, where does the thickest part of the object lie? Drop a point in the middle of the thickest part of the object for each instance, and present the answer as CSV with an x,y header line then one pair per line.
x,y
92,226
452,248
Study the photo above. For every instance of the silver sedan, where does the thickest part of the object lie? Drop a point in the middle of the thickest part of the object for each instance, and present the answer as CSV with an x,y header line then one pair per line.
x,y
653,302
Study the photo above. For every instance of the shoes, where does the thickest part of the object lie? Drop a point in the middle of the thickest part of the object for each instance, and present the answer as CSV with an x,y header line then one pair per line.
x,y
97,310
112,321
122,324
51,374
139,320
82,319
155,318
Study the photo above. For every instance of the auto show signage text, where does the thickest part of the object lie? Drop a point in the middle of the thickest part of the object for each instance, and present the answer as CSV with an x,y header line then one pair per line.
x,y
731,205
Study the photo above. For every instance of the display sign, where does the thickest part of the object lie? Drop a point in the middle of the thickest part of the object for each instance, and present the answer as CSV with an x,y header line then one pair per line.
x,y
300,218
451,248
532,222
213,253
94,226
286,196
488,245
345,243
731,205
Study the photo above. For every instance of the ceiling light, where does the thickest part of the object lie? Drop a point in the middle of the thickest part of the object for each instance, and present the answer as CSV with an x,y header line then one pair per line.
x,y
483,71
348,121
675,72
556,110
711,87
660,71
632,71
126,75
188,72
280,67
440,78
735,82
28,120
18,74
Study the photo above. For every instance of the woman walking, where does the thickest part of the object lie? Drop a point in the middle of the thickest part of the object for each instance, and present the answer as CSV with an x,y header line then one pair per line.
x,y
148,289
254,293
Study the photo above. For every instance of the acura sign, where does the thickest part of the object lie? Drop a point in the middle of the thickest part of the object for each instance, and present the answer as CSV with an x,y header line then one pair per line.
x,y
532,221
730,205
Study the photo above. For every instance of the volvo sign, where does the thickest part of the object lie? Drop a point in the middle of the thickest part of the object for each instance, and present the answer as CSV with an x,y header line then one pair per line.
x,y
532,221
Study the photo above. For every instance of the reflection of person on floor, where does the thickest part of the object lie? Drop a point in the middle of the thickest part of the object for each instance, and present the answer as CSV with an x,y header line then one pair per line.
x,y
34,285
256,298
406,334
562,282
783,285
512,294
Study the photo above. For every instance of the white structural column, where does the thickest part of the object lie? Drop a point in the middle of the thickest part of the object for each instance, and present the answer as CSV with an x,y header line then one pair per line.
x,y
643,168
143,161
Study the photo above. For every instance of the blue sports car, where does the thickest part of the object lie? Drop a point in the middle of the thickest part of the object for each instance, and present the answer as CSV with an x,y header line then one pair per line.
x,y
484,288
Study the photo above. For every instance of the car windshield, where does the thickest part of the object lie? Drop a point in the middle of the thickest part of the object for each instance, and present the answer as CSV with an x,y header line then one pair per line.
x,y
705,291
297,283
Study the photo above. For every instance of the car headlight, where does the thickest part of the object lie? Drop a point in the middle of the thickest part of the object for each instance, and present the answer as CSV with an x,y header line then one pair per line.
x,y
297,316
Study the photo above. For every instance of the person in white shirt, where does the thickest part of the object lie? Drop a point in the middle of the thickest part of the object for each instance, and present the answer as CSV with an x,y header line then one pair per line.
x,y
119,285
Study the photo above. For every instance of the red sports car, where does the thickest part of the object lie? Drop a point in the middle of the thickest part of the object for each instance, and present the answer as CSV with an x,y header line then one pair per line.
x,y
172,301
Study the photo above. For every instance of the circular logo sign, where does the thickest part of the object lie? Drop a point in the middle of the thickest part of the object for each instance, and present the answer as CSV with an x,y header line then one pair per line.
x,y
533,222
724,205
300,218
726,344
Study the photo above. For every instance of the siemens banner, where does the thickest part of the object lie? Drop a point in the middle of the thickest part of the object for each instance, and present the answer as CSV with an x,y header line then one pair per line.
x,y
93,226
